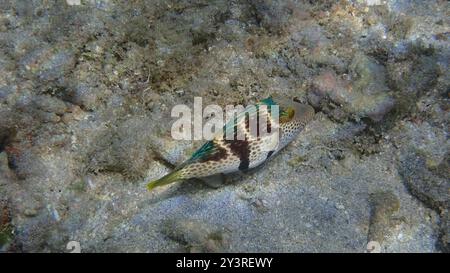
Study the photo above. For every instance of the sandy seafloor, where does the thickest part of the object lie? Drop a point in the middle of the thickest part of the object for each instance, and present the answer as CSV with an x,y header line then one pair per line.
x,y
86,89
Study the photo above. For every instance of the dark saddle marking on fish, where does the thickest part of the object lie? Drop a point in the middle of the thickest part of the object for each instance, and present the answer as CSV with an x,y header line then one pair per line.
x,y
241,149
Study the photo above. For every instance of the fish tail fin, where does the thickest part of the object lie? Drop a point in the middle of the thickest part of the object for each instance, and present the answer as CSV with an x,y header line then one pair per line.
x,y
167,179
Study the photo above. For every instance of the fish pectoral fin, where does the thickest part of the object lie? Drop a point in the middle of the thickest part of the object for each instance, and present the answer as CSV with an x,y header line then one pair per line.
x,y
214,181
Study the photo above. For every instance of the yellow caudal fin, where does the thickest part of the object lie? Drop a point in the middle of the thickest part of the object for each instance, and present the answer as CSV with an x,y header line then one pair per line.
x,y
167,179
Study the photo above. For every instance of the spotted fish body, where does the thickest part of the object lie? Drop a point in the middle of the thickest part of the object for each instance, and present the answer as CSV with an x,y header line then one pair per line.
x,y
222,156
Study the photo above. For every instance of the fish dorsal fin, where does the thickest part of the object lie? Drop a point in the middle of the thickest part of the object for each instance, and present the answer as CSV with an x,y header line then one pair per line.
x,y
268,101
204,150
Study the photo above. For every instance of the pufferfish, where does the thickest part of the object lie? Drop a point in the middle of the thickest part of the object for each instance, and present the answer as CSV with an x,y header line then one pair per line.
x,y
222,155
